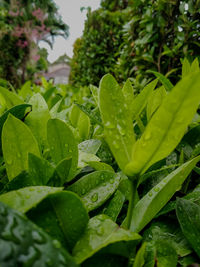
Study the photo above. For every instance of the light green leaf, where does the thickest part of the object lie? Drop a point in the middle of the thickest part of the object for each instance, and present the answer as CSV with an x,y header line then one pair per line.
x,y
40,170
185,67
95,188
101,232
62,144
11,98
95,92
90,146
188,214
18,111
117,120
17,142
139,258
100,166
25,244
195,66
167,126
84,158
158,196
128,93
155,100
37,119
166,82
25,91
140,101
26,198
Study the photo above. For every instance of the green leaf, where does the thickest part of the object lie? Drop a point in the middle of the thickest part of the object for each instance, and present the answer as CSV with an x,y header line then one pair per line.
x,y
117,120
17,142
25,91
158,196
115,205
11,98
63,169
167,126
195,66
188,214
26,198
71,214
95,188
80,121
185,67
155,100
24,244
90,146
128,93
37,119
40,170
100,166
62,144
101,232
165,254
17,111
140,101
94,91
84,158
94,117
166,82
139,259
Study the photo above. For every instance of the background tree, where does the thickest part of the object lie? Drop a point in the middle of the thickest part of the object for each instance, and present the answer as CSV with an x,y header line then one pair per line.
x,y
29,23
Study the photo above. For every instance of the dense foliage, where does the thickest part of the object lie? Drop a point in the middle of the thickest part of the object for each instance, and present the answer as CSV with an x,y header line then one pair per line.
x,y
22,25
96,52
154,35
94,180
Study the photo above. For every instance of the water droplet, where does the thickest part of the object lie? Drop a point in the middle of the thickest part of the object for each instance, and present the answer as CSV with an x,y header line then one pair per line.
x,y
112,181
37,237
31,189
150,194
100,231
102,177
94,197
144,144
83,191
156,189
147,136
115,144
56,243
28,196
9,161
121,130
109,125
66,145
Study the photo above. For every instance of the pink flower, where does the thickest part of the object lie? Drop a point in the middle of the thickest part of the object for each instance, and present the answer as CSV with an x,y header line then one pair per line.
x,y
36,58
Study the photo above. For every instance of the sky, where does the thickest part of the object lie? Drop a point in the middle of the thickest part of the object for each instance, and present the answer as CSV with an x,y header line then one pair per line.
x,y
74,18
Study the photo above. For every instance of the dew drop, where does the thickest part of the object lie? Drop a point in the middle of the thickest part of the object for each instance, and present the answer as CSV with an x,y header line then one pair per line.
x,y
147,136
109,125
120,129
115,144
9,161
150,194
83,191
37,237
156,189
100,231
94,197
56,243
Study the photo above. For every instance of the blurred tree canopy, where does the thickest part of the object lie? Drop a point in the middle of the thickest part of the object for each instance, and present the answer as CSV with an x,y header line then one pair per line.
x,y
128,38
23,24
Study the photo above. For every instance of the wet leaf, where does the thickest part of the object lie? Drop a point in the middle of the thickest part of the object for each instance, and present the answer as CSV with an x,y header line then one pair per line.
x,y
95,188
17,142
26,198
101,232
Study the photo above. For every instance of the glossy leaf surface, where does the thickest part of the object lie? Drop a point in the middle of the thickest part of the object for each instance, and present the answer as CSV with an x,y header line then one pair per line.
x,y
62,144
17,142
26,198
188,214
167,126
158,196
117,120
101,232
95,188
24,244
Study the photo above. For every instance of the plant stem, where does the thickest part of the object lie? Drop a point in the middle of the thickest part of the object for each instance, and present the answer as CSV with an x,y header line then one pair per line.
x,y
131,202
